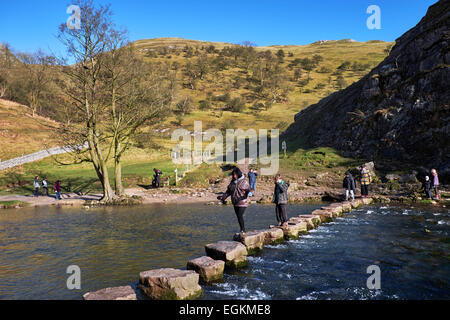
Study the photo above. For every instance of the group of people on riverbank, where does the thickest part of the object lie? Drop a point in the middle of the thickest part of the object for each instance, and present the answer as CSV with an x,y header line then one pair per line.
x,y
44,183
349,183
240,189
431,184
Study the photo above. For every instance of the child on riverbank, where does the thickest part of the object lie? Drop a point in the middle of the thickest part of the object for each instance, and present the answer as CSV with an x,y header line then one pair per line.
x,y
426,185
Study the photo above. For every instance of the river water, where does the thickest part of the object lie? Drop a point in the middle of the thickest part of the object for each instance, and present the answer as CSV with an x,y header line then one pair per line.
x,y
112,245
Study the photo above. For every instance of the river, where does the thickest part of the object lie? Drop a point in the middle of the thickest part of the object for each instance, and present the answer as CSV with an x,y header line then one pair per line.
x,y
112,245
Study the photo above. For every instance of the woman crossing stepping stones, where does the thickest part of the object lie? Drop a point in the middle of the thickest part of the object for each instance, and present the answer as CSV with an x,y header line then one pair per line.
x,y
238,189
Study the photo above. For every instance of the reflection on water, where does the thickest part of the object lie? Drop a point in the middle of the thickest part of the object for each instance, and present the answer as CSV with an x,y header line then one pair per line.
x,y
112,245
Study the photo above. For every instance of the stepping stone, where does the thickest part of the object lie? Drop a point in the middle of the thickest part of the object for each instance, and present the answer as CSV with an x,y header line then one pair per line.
x,y
311,221
253,241
210,270
335,209
116,293
346,206
292,230
170,284
356,203
273,236
232,252
367,201
325,215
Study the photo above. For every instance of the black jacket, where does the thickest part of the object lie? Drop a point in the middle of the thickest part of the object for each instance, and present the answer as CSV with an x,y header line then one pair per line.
x,y
349,183
427,185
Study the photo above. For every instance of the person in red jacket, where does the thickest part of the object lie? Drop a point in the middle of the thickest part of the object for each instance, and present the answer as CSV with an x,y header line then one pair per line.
x,y
57,188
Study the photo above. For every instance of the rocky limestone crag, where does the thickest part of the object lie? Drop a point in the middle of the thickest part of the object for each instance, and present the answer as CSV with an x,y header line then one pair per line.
x,y
170,284
399,111
210,270
233,253
116,293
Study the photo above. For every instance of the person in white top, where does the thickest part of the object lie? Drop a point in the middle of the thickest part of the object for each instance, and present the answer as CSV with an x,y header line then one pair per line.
x,y
45,186
36,186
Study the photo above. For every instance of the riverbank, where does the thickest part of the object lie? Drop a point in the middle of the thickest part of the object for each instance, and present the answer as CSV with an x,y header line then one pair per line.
x,y
167,195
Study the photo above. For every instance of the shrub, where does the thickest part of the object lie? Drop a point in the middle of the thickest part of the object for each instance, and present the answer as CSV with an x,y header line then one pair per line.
x,y
236,105
184,106
204,105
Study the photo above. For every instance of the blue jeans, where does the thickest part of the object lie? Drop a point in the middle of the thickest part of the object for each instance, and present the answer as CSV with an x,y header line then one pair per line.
x,y
58,195
253,187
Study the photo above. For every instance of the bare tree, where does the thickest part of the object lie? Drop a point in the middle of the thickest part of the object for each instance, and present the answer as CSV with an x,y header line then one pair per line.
x,y
86,49
137,93
36,76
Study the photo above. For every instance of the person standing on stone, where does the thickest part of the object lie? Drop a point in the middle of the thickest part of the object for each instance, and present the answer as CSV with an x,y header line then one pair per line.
x,y
57,189
366,180
238,190
45,186
349,186
280,198
435,182
252,174
36,186
426,185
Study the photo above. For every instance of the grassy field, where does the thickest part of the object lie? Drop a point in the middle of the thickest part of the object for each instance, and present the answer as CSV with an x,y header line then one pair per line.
x,y
22,134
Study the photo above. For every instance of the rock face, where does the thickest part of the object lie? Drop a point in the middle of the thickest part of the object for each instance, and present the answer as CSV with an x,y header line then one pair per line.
x,y
210,270
253,240
233,253
170,284
116,293
400,110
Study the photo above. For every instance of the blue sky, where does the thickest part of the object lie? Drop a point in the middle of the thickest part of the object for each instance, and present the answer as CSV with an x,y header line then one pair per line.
x,y
29,24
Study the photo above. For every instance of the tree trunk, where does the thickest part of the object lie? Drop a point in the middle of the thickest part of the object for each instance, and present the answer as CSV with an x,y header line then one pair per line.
x,y
118,177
